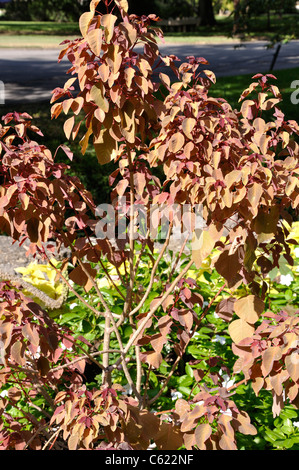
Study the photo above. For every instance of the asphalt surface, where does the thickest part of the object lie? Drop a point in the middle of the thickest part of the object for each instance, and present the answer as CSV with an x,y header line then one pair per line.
x,y
31,74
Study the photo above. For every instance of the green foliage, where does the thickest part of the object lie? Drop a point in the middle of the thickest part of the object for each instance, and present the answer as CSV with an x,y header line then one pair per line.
x,y
41,10
174,9
209,350
248,16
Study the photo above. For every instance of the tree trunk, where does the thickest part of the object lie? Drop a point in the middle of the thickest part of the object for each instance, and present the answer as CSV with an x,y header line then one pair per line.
x,y
268,19
236,16
206,13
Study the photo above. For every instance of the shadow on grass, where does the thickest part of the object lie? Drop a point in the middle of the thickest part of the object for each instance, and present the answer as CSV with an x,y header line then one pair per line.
x,y
38,28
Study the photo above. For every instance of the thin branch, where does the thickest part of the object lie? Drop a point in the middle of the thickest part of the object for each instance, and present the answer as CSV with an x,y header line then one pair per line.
x,y
106,375
141,252
237,384
138,368
22,369
110,315
44,393
155,267
178,257
70,287
152,312
146,386
178,358
19,382
110,279
29,416
106,308
86,356
43,426
89,355
52,437
102,264
116,331
128,301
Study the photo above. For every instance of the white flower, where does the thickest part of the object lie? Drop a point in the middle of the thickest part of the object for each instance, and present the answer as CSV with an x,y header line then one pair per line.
x,y
286,279
128,389
219,339
37,354
152,446
199,403
176,395
196,335
296,251
227,412
4,393
165,417
73,305
296,424
227,381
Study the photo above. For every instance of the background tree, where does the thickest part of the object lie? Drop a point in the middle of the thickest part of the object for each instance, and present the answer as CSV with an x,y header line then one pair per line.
x,y
245,10
44,10
144,8
238,17
206,13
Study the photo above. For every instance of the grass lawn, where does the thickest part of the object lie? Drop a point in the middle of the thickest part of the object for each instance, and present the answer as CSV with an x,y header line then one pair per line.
x,y
230,88
95,177
53,41
38,28
50,34
32,41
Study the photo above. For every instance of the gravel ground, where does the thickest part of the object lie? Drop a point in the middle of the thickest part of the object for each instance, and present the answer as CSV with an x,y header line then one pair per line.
x,y
12,255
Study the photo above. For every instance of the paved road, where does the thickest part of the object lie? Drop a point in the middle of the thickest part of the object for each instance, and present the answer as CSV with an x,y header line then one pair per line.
x,y
31,74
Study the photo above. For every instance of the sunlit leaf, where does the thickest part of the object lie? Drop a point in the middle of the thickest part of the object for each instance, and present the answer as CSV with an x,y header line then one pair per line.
x,y
94,39
249,308
97,94
202,434
84,22
108,22
239,330
187,126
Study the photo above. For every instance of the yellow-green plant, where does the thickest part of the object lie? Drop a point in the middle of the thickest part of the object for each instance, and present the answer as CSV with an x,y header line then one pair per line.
x,y
43,277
